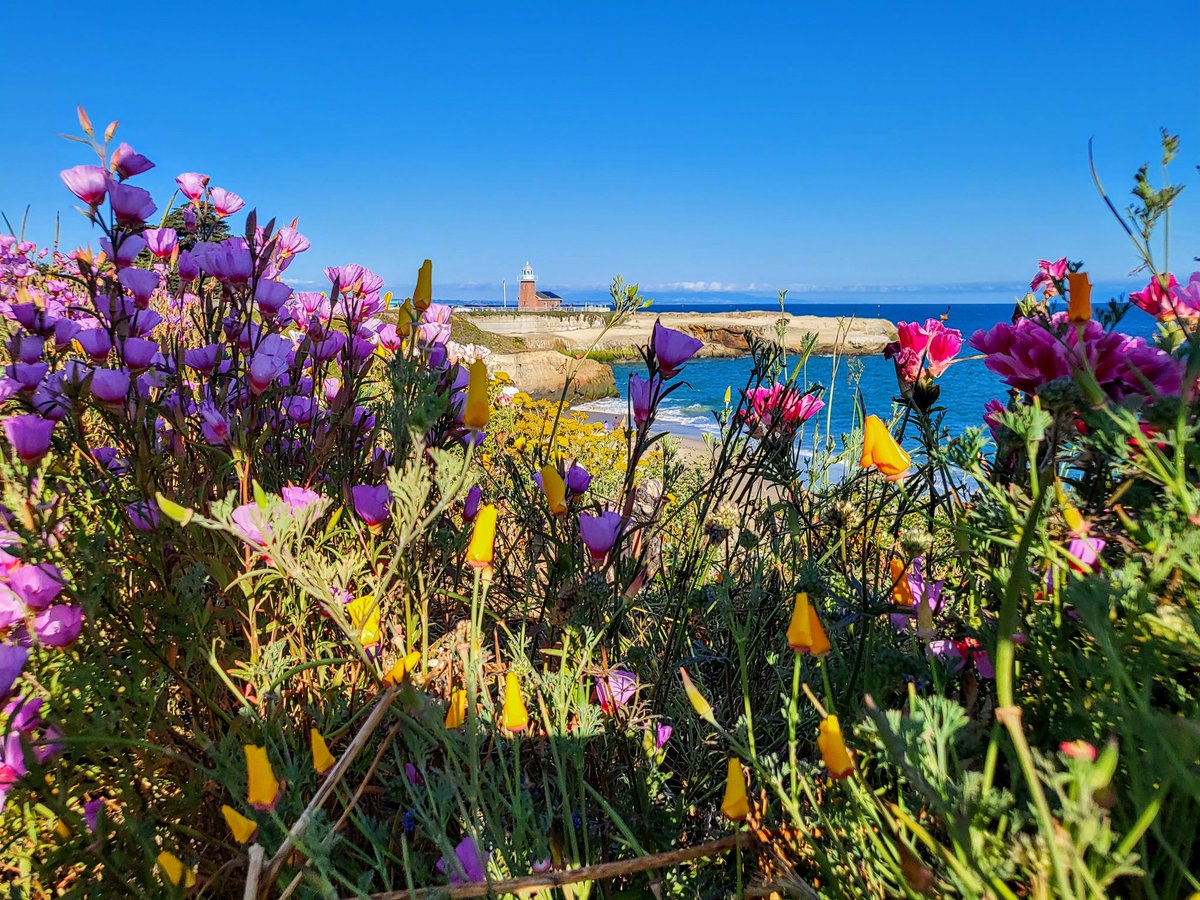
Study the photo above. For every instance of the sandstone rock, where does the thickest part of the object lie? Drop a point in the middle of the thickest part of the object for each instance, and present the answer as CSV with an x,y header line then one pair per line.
x,y
541,373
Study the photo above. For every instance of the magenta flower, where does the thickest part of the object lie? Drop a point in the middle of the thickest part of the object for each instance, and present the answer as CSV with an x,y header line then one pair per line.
x,y
373,504
225,203
141,283
615,690
469,864
1048,272
110,386
578,480
12,662
213,426
600,533
931,344
928,596
127,163
131,205
36,585
249,521
672,348
471,504
1187,297
1086,553
779,409
88,183
435,324
143,515
162,242
298,499
643,395
662,734
59,625
29,436
192,184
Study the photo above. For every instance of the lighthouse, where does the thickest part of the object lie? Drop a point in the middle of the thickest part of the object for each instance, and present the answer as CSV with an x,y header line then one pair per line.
x,y
530,298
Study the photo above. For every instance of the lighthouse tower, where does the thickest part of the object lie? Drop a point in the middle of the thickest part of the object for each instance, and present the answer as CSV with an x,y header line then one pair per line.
x,y
527,298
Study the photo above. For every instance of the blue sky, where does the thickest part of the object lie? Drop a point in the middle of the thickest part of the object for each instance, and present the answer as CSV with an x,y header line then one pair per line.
x,y
695,146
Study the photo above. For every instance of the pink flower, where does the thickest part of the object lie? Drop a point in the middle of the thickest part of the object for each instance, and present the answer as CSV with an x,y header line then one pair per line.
x,y
672,348
615,690
469,864
1187,297
269,361
214,426
88,183
192,184
36,585
249,521
298,499
778,410
228,261
932,343
59,625
1078,749
1048,272
161,241
127,163
225,203
131,205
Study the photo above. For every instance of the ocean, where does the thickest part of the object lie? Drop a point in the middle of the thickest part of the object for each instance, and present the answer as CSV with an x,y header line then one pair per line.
x,y
965,387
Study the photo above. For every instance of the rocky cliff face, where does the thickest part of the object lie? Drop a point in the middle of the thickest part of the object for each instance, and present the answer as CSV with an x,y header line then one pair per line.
x,y
540,373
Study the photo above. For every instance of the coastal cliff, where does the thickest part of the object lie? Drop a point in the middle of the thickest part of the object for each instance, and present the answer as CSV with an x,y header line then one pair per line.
x,y
525,343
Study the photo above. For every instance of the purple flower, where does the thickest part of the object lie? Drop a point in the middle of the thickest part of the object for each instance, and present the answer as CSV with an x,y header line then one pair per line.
x,y
578,479
268,363
471,504
615,689
143,514
225,203
270,297
88,183
141,283
229,261
110,386
91,813
59,625
372,503
411,772
672,348
469,864
131,205
36,585
214,426
248,521
138,353
928,597
27,348
161,241
662,734
643,395
192,184
188,267
12,610
435,324
95,342
28,375
29,436
202,359
127,163
12,661
299,499
127,249
600,533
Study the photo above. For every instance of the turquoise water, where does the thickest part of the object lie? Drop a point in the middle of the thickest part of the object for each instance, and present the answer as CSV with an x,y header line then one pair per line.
x,y
965,387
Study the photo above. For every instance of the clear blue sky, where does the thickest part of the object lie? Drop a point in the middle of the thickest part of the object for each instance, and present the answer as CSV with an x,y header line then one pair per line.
x,y
828,144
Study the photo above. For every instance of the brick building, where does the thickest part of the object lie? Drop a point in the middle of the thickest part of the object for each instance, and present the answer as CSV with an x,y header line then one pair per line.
x,y
530,298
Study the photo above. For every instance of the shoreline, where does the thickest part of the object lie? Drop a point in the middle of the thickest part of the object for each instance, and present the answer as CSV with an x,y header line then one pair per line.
x,y
689,440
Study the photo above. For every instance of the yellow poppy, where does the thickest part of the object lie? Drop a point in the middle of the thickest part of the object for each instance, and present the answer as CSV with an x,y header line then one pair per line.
x,y
735,806
174,871
242,828
833,748
483,538
402,667
423,292
477,408
364,616
262,791
514,716
322,759
902,594
555,489
456,712
805,634
881,450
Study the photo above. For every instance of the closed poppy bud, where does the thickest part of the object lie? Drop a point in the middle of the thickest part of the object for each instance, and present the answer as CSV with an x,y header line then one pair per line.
x,y
514,717
483,538
456,712
262,790
174,871
702,707
405,318
833,748
805,634
240,827
554,488
423,292
402,667
477,409
1079,302
881,451
902,594
735,806
322,759
1071,515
